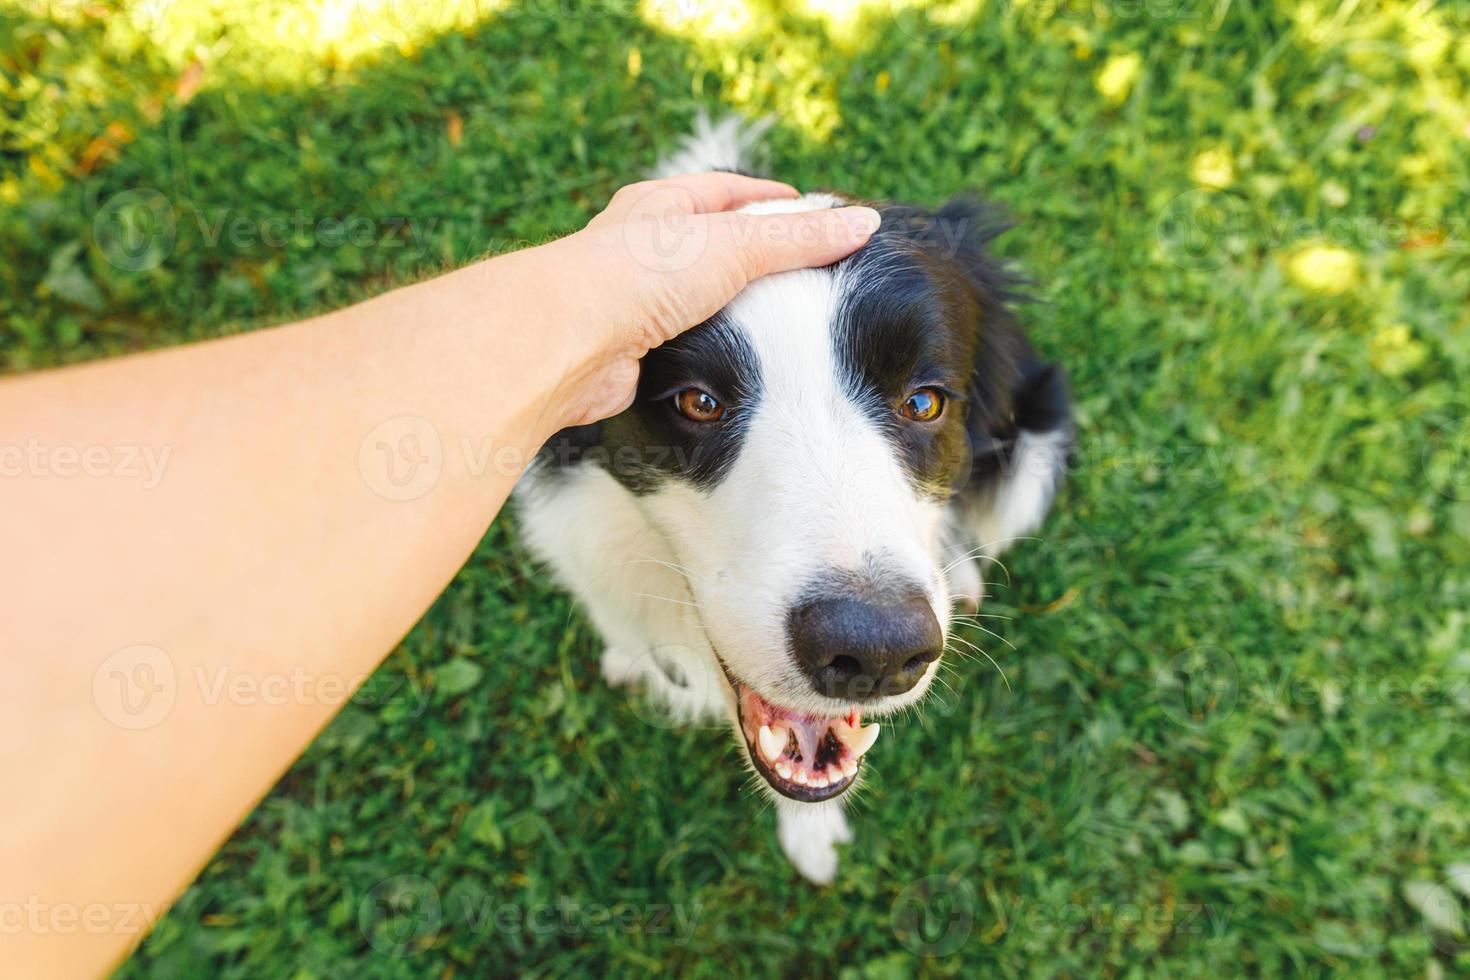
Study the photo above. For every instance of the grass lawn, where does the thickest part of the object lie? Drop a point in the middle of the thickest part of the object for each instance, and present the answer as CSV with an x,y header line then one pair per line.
x,y
1232,736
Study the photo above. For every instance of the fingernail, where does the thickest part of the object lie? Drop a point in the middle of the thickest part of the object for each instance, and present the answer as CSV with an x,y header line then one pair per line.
x,y
861,221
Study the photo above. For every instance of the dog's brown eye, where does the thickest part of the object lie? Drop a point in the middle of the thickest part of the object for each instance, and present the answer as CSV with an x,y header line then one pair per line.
x,y
698,406
923,405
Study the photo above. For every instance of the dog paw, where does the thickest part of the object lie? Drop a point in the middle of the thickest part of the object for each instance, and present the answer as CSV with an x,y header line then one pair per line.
x,y
816,860
621,668
809,839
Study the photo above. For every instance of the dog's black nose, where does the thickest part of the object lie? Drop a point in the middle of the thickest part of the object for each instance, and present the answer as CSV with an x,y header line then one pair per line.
x,y
855,650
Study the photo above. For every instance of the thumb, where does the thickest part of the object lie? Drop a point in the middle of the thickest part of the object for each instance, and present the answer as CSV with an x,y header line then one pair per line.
x,y
778,242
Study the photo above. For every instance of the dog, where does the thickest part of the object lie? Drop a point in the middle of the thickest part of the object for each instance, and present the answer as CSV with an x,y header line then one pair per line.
x,y
781,529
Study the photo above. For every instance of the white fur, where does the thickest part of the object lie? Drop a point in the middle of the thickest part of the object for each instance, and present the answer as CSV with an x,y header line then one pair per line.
x,y
809,834
815,488
725,145
678,577
670,578
1024,495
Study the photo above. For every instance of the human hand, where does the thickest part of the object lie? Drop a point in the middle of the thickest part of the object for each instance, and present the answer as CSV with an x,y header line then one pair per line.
x,y
664,256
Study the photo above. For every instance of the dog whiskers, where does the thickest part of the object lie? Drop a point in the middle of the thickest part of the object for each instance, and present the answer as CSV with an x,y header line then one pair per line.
x,y
940,680
965,617
1002,639
972,553
987,656
664,598
684,570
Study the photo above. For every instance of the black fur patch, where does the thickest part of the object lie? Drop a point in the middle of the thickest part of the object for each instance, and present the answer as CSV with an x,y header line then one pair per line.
x,y
925,304
652,442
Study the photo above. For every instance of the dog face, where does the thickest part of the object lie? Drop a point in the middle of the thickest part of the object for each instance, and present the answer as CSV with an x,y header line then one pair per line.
x,y
799,452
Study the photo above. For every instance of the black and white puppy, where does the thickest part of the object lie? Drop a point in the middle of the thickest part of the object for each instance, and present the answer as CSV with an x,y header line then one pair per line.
x,y
780,528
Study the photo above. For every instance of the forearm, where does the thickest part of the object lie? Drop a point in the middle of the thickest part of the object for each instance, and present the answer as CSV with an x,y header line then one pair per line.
x,y
208,548
263,514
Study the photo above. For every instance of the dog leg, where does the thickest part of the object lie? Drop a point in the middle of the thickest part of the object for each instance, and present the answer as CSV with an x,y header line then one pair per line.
x,y
809,834
674,677
620,666
602,548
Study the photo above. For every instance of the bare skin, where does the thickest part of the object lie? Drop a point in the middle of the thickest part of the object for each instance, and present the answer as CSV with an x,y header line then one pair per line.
x,y
209,547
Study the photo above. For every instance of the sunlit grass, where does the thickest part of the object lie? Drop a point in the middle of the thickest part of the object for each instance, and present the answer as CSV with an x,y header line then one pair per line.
x,y
763,68
279,41
294,40
1324,269
714,20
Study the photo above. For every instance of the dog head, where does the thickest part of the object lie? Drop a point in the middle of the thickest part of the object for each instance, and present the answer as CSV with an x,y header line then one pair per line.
x,y
799,452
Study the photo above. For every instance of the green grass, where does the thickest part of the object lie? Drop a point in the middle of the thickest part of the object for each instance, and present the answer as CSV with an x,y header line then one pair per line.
x,y
1234,737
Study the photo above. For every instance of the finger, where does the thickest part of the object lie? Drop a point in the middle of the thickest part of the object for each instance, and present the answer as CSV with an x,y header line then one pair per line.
x,y
721,191
766,243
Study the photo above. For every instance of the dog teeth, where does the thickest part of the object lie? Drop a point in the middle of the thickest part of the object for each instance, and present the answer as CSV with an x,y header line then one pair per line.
x,y
772,742
861,739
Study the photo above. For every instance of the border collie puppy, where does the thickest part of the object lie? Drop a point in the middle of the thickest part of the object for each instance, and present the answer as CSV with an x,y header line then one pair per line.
x,y
779,530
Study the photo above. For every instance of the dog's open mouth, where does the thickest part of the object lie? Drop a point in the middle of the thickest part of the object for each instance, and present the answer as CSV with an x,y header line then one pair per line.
x,y
804,757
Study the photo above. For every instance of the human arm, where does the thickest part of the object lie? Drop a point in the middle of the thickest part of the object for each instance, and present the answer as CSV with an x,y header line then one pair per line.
x,y
282,506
